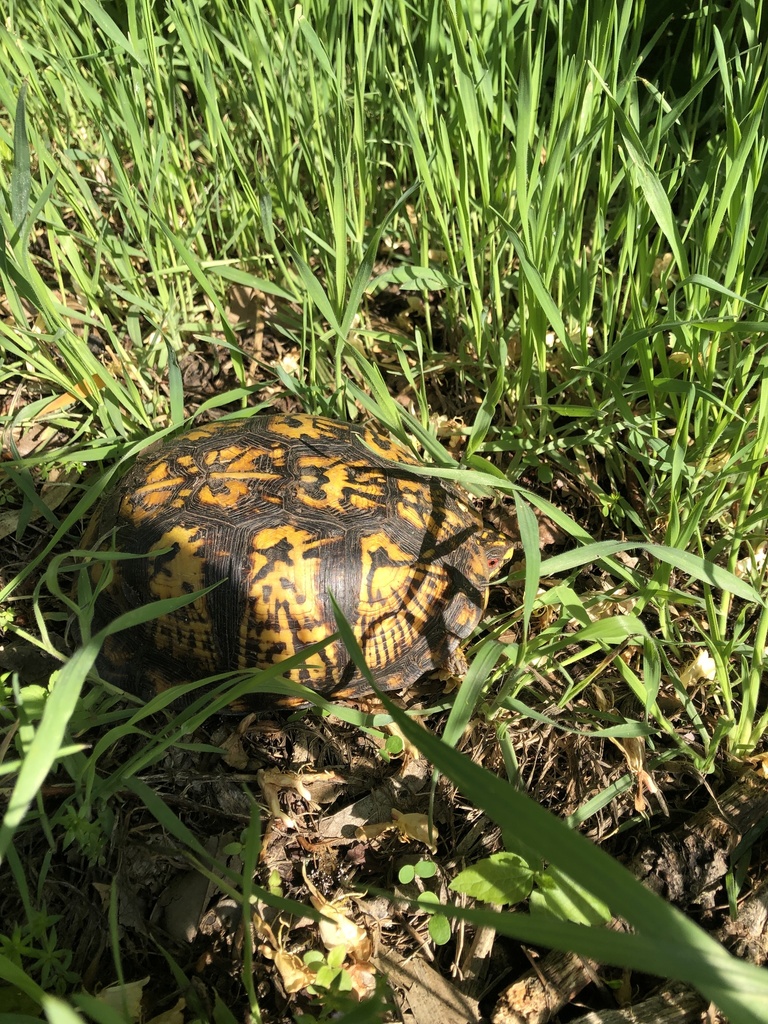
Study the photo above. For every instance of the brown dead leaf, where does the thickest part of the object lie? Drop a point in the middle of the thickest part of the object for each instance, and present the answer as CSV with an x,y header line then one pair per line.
x,y
246,305
363,977
703,666
660,270
633,749
608,607
184,902
22,442
373,831
415,826
754,562
85,388
232,745
124,999
294,973
271,781
173,1016
336,928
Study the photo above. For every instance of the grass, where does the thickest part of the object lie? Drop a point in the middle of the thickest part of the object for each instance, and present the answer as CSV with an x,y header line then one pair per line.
x,y
535,233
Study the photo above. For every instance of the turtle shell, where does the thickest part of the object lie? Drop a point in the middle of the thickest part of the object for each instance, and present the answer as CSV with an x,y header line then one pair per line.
x,y
278,514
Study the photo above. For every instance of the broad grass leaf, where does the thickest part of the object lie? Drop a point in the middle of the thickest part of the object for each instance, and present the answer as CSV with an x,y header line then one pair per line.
x,y
556,893
21,179
666,943
529,538
692,565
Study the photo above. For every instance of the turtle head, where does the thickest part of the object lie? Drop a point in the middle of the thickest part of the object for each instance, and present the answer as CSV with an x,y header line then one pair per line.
x,y
497,550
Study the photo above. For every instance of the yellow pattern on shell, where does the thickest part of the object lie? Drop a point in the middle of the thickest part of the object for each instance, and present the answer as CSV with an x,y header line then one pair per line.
x,y
277,514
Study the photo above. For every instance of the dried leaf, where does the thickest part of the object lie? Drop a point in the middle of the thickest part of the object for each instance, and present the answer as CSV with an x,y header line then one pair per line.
x,y
373,831
294,973
363,977
234,750
84,388
633,749
271,782
125,999
264,930
337,930
415,826
754,562
660,270
173,1016
604,609
703,667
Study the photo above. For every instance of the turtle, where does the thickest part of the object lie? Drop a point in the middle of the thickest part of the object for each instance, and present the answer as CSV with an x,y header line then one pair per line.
x,y
282,515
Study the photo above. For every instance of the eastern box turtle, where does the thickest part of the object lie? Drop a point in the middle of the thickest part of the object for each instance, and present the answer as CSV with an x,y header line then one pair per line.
x,y
282,511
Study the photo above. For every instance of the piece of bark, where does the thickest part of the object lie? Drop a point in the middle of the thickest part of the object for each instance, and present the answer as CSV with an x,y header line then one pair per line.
x,y
676,1005
474,966
684,868
687,866
539,994
423,995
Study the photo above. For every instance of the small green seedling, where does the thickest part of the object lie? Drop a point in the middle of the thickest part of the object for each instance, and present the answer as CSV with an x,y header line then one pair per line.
x,y
439,925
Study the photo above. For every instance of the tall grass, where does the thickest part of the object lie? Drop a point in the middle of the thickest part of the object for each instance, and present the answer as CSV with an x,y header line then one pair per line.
x,y
573,199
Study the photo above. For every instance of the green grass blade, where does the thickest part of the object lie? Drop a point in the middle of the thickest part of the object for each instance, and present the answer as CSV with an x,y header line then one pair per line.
x,y
21,178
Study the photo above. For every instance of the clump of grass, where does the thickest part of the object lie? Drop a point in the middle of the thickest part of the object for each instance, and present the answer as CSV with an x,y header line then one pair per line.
x,y
537,233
